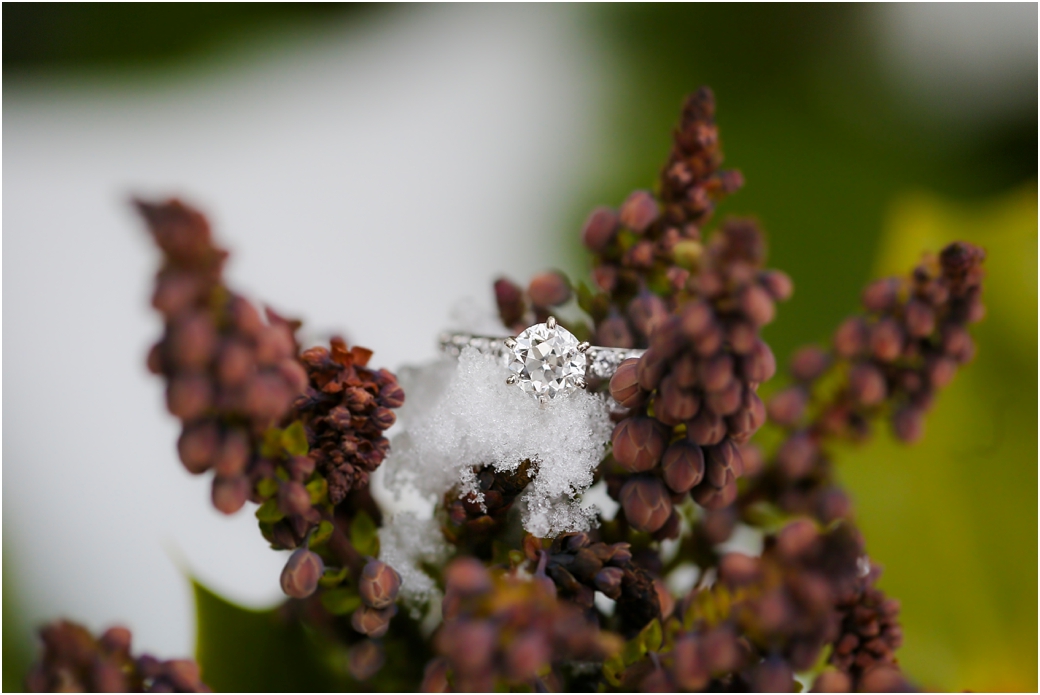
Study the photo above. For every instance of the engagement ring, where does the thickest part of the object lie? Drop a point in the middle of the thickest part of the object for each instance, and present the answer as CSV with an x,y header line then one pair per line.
x,y
545,360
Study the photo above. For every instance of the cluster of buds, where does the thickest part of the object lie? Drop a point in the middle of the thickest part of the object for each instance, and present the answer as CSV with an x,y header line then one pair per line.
x,y
502,629
892,359
580,567
75,661
643,254
870,630
473,522
345,411
230,375
693,395
519,309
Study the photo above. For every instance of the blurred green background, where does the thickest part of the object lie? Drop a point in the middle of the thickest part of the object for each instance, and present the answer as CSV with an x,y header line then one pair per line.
x,y
857,158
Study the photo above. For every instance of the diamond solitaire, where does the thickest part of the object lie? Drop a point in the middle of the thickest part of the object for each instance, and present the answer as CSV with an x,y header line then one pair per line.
x,y
547,360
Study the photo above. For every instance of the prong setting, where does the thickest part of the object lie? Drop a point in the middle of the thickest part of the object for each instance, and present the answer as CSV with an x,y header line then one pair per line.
x,y
510,343
550,322
584,347
581,383
512,380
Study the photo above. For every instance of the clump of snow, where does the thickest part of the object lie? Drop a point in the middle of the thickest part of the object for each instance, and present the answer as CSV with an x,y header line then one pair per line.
x,y
474,418
405,543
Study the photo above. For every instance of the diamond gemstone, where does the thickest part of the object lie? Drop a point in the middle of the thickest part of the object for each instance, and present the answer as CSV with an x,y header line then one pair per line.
x,y
547,361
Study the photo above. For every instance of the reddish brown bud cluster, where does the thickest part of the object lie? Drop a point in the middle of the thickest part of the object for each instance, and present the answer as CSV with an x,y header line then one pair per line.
x,y
502,629
519,309
891,360
230,375
870,630
346,409
580,567
693,393
75,661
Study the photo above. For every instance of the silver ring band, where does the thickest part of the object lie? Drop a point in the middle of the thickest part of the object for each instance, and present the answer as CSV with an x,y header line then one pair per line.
x,y
601,362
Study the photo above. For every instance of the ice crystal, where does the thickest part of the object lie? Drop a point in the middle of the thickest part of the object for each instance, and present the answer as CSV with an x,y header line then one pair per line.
x,y
406,543
476,419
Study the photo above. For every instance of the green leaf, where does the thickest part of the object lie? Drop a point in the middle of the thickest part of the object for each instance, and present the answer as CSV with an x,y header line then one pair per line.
x,y
651,635
317,489
321,534
341,601
267,487
269,511
271,447
333,577
363,535
633,650
294,439
612,669
243,650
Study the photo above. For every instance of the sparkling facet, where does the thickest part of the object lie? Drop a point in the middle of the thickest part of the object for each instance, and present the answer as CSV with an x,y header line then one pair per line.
x,y
547,361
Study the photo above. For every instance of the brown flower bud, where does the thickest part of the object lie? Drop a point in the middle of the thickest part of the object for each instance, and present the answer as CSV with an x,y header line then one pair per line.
x,y
245,317
301,573
549,289
599,229
645,311
526,654
688,667
435,677
778,284
198,445
624,385
605,277
908,424
640,256
379,584
293,498
267,397
684,371
696,318
613,331
682,466
294,375
881,295
235,363
638,443
722,464
851,337
957,343
741,336
713,498
233,454
382,418
510,300
797,455
176,291
274,344
808,363
867,384
370,621
639,211
706,428
787,407
365,659
773,675
751,416
709,342
886,340
467,575
646,503
756,304
674,404
189,395
117,639
919,318
738,569
230,494
651,368
832,681
193,340
759,364
608,580
941,371
727,401
716,372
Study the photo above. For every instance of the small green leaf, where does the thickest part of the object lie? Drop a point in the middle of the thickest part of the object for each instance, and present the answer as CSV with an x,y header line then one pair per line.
x,y
321,534
267,487
269,511
633,650
363,535
333,577
294,439
341,601
317,489
651,635
612,669
272,445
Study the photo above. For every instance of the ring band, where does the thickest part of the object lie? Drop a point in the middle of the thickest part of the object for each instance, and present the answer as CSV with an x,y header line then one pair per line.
x,y
543,349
